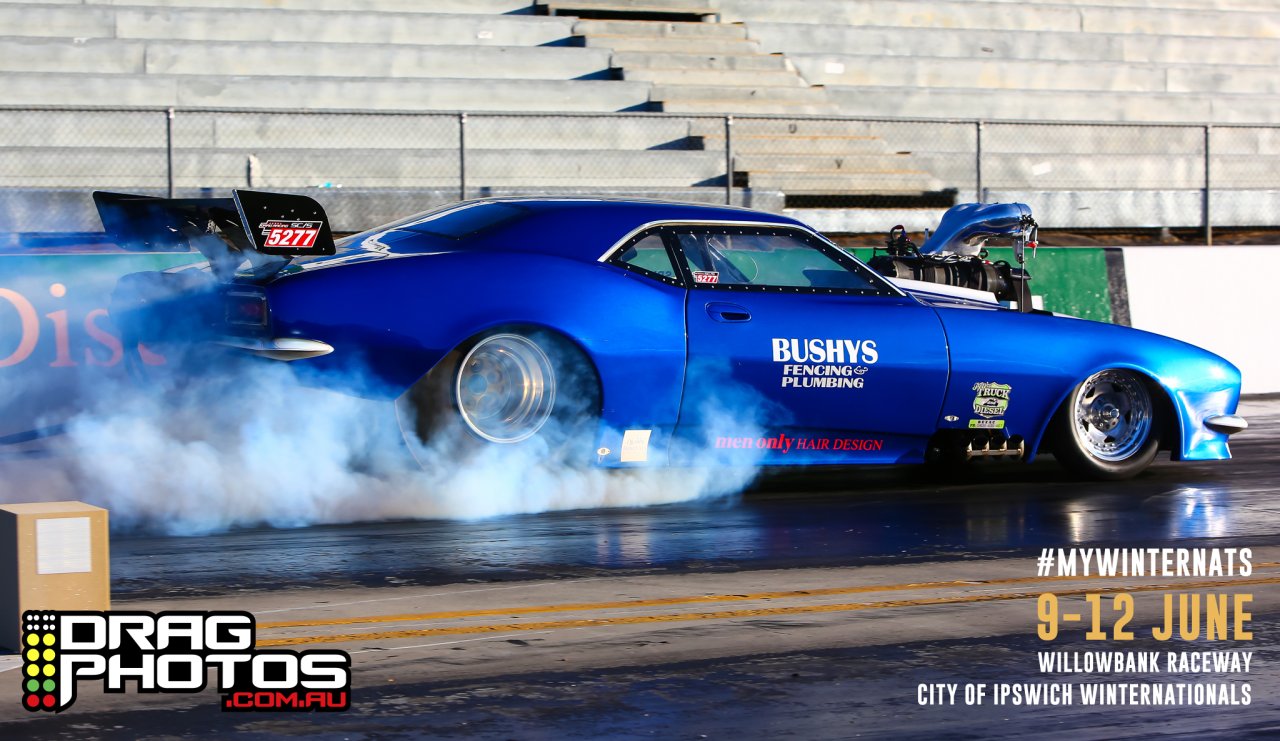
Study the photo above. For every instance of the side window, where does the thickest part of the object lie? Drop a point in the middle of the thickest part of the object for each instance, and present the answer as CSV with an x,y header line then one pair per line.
x,y
771,258
648,256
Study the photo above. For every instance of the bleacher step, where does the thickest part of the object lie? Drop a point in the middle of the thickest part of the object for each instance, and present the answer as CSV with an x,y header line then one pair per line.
x,y
1094,18
340,168
663,29
659,60
494,7
1068,105
903,182
969,43
683,10
379,61
213,24
717,77
302,93
989,74
800,95
255,131
781,144
673,44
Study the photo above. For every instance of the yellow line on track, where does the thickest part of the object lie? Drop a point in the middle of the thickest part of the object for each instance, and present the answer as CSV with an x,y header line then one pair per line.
x,y
751,613
667,601
664,601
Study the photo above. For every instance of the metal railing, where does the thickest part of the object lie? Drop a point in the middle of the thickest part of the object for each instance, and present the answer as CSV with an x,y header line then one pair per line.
x,y
852,174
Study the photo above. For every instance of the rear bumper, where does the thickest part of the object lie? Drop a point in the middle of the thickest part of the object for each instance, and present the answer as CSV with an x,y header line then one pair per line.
x,y
279,348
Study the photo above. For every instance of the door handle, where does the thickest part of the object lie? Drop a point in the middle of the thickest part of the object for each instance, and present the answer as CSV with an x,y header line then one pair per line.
x,y
728,313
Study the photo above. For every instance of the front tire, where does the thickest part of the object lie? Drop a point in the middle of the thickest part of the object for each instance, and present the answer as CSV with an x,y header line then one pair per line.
x,y
1107,428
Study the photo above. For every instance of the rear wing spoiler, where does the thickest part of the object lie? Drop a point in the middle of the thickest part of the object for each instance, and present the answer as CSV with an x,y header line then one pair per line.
x,y
267,229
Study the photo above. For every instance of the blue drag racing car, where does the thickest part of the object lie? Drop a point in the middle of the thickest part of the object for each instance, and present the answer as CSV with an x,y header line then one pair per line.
x,y
629,333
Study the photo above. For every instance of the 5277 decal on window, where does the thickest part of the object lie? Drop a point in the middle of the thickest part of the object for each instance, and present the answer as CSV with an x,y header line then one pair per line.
x,y
290,233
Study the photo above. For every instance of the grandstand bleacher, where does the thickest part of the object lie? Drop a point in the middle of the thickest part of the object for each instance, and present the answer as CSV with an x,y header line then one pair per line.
x,y
365,96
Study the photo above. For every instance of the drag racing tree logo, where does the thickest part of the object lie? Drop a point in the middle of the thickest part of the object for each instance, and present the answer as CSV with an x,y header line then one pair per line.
x,y
174,652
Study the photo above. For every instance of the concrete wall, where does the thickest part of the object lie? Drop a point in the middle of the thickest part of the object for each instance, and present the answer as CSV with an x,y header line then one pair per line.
x,y
1223,299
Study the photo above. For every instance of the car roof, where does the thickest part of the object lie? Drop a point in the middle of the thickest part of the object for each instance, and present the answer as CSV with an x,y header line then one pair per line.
x,y
580,228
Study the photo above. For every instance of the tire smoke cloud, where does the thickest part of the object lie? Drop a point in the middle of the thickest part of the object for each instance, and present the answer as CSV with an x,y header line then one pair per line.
x,y
244,444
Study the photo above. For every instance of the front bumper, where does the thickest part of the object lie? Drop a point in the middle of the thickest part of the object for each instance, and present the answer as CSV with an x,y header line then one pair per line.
x,y
1227,424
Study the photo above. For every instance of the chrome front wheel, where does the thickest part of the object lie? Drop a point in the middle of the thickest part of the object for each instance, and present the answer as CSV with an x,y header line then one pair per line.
x,y
1113,415
1107,428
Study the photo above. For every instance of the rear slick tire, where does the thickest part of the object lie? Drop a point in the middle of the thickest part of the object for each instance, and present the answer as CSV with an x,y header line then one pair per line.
x,y
511,388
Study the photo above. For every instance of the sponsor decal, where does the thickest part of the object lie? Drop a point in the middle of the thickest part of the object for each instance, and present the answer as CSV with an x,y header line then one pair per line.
x,y
635,446
290,233
951,418
173,652
824,363
986,424
82,338
705,276
991,399
786,443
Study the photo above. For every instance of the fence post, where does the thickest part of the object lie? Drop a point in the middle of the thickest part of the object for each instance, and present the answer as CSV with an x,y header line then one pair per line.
x,y
728,160
462,156
1208,189
977,162
168,146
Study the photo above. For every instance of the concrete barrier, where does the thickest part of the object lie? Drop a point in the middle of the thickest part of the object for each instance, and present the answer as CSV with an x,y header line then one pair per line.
x,y
1168,294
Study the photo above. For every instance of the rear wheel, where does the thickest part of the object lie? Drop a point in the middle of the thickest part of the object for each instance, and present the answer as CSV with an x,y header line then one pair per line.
x,y
1107,427
507,388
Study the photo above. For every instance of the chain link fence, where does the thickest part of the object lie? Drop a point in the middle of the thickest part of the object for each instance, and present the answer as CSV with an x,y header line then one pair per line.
x,y
843,175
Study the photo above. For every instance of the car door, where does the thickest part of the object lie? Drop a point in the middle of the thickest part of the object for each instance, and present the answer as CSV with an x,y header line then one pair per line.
x,y
797,353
